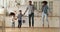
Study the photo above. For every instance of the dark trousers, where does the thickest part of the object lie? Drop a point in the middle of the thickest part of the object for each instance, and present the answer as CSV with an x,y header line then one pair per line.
x,y
13,24
19,23
31,17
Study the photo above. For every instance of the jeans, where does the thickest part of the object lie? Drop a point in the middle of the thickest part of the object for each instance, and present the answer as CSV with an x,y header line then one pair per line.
x,y
31,17
44,15
19,23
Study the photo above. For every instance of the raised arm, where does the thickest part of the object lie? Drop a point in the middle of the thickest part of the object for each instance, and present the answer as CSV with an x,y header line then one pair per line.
x,y
26,11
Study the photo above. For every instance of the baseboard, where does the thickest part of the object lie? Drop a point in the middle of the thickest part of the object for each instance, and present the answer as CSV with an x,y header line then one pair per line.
x,y
35,27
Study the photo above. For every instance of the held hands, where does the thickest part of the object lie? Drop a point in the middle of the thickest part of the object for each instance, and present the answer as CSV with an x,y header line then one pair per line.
x,y
24,12
16,18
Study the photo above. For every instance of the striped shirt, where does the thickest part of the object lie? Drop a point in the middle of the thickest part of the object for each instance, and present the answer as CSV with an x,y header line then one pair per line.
x,y
19,16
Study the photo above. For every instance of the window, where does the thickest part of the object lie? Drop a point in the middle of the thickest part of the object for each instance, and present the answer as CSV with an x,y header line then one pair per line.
x,y
38,5
35,4
51,5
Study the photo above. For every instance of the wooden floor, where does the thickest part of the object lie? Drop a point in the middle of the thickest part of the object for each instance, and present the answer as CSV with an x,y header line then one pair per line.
x,y
30,30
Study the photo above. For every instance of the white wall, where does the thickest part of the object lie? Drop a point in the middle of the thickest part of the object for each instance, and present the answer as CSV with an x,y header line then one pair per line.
x,y
53,21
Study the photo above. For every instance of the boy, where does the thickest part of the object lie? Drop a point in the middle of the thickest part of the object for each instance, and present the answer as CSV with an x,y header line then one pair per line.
x,y
45,12
20,19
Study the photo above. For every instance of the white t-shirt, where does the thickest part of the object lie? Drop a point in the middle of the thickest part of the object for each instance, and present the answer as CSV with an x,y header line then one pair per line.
x,y
31,9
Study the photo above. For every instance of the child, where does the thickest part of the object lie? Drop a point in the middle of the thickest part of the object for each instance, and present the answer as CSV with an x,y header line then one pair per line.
x,y
13,23
13,19
45,12
20,19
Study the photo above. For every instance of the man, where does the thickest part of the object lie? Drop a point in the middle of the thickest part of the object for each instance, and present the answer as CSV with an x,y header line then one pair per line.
x,y
45,12
30,13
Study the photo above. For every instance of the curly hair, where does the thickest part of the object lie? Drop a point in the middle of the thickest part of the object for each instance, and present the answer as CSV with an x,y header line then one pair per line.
x,y
45,2
12,14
